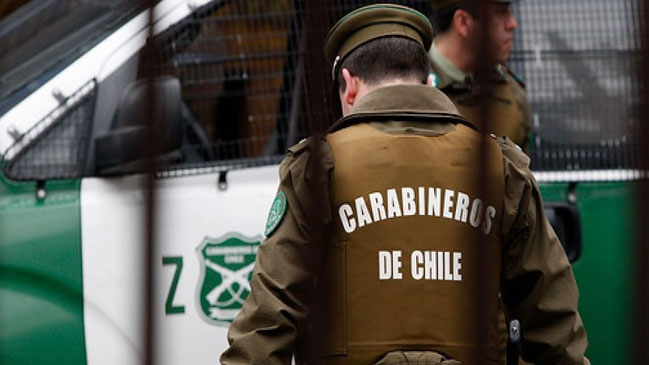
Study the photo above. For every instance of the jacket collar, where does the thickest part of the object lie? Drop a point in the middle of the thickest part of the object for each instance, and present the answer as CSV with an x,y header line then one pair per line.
x,y
444,70
403,102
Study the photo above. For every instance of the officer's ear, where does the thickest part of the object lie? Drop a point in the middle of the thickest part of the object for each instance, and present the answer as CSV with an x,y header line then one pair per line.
x,y
463,22
352,84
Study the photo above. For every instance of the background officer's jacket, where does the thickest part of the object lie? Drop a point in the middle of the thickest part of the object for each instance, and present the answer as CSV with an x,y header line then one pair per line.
x,y
509,109
396,137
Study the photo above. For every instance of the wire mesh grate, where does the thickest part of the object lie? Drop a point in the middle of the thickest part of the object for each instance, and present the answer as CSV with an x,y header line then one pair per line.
x,y
56,147
242,69
578,60
237,62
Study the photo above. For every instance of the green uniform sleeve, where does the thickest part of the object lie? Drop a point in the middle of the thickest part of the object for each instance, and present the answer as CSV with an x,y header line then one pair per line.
x,y
539,288
266,330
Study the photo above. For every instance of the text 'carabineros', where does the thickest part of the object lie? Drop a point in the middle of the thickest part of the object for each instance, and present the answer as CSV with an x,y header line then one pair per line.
x,y
423,201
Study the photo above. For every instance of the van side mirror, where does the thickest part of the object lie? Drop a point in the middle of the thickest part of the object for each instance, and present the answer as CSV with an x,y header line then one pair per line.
x,y
564,218
121,149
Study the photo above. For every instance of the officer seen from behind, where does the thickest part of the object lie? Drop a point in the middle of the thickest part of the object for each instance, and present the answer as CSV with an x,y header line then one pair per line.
x,y
386,219
461,27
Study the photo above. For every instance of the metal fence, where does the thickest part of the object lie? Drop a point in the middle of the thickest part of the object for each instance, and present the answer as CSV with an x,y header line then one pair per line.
x,y
241,65
577,59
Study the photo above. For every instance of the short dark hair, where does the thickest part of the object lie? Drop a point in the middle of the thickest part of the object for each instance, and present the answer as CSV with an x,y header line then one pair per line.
x,y
442,18
386,57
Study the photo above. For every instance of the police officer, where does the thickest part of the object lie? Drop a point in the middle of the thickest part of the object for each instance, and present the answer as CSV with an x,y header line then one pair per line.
x,y
458,51
386,218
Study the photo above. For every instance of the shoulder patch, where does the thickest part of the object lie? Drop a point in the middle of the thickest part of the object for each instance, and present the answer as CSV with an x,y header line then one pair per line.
x,y
276,214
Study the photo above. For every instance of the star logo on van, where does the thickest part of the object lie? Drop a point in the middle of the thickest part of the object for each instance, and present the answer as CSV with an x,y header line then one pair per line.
x,y
226,268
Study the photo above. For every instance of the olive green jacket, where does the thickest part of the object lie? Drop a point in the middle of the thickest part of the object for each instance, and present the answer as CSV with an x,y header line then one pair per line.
x,y
509,110
279,318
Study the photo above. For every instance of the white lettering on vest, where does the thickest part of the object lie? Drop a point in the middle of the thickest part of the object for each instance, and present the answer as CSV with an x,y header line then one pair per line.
x,y
434,201
422,200
345,212
416,259
363,215
408,197
430,265
448,203
439,203
476,213
489,215
462,207
394,210
390,265
457,266
378,211
385,265
436,265
396,265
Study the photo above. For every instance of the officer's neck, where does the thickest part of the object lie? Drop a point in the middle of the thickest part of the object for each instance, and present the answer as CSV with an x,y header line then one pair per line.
x,y
458,50
359,89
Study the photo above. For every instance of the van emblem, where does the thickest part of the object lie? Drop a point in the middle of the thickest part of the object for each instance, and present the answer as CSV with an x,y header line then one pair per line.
x,y
226,269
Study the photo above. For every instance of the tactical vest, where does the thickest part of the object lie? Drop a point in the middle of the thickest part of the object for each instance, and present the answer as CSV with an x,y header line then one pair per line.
x,y
414,258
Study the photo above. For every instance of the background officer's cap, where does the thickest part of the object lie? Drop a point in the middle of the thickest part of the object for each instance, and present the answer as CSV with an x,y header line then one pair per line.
x,y
375,21
437,4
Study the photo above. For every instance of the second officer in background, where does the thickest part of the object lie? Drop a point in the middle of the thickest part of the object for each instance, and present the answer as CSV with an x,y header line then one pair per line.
x,y
461,27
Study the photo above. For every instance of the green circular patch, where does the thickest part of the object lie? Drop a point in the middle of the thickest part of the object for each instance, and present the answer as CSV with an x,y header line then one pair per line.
x,y
276,214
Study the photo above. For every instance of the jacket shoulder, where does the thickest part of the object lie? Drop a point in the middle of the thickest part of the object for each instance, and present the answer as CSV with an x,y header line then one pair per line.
x,y
299,147
513,154
304,149
511,75
312,151
519,184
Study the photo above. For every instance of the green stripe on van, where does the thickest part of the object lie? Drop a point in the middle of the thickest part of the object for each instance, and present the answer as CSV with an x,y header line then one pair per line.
x,y
41,288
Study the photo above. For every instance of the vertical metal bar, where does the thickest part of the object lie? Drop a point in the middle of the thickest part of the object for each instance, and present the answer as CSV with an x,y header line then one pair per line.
x,y
297,41
150,145
482,78
316,84
314,89
641,316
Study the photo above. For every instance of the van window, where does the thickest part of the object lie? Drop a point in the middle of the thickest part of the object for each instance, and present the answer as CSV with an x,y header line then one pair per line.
x,y
56,147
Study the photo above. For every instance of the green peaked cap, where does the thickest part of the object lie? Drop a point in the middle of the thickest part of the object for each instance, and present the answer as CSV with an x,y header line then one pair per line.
x,y
375,21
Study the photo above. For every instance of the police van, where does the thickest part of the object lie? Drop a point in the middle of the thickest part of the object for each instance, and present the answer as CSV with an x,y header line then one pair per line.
x,y
228,78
